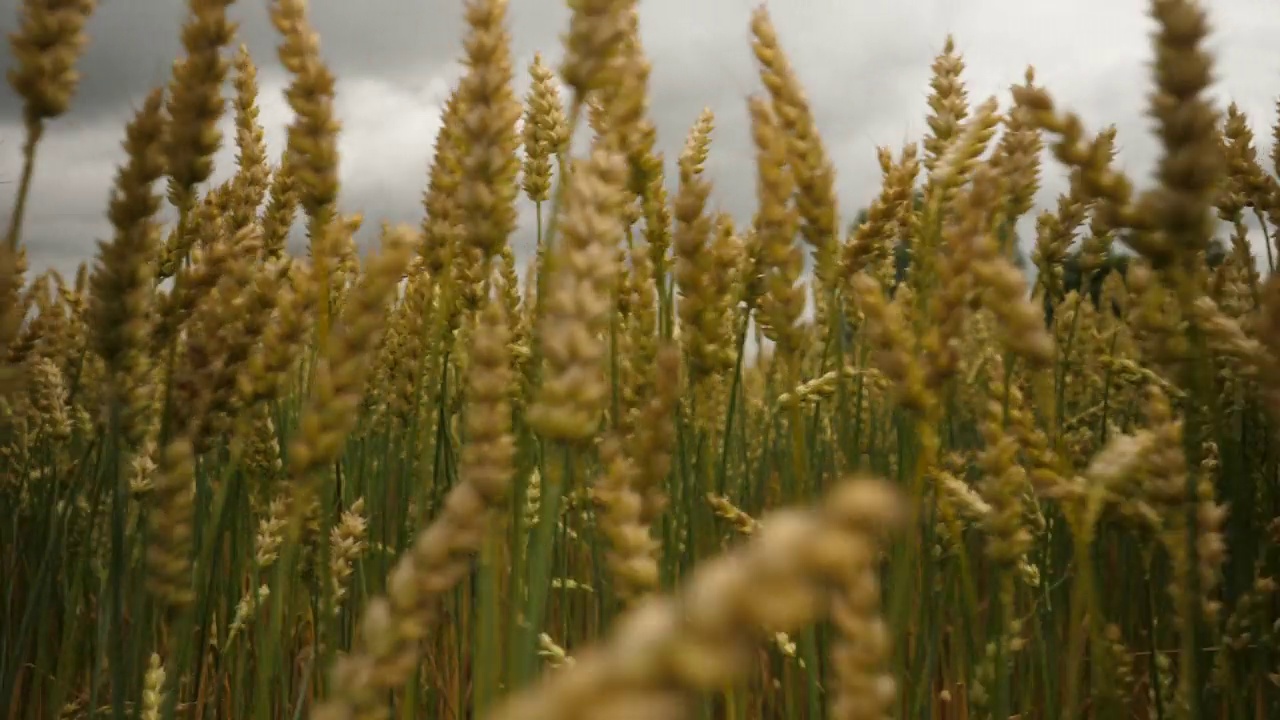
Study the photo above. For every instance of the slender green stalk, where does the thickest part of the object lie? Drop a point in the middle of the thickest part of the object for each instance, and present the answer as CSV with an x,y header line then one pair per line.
x,y
35,130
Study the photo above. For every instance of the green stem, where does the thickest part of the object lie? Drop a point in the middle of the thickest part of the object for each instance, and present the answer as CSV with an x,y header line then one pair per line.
x,y
35,130
541,555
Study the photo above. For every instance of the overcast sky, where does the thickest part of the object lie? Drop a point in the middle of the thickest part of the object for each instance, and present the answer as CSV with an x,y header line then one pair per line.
x,y
865,65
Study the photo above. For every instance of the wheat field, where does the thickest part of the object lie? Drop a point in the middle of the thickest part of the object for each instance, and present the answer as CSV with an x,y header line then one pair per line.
x,y
810,465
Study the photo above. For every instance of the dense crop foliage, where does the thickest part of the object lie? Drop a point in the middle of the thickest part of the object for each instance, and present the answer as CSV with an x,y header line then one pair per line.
x,y
687,465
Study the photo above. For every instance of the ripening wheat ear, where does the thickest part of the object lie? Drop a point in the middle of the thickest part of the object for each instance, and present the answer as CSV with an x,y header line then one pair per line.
x,y
571,397
544,133
488,192
195,100
1192,165
122,293
940,343
47,45
597,30
250,184
870,244
806,155
624,108
632,555
1018,156
693,267
948,103
780,261
49,42
700,639
311,152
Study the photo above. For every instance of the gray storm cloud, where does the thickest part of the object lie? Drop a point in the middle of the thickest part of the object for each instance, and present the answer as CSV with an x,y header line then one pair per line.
x,y
865,67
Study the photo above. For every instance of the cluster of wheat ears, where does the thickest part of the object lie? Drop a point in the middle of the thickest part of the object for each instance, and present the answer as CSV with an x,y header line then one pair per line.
x,y
237,483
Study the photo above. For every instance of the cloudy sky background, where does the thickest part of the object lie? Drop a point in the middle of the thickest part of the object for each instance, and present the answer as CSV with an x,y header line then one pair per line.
x,y
865,65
